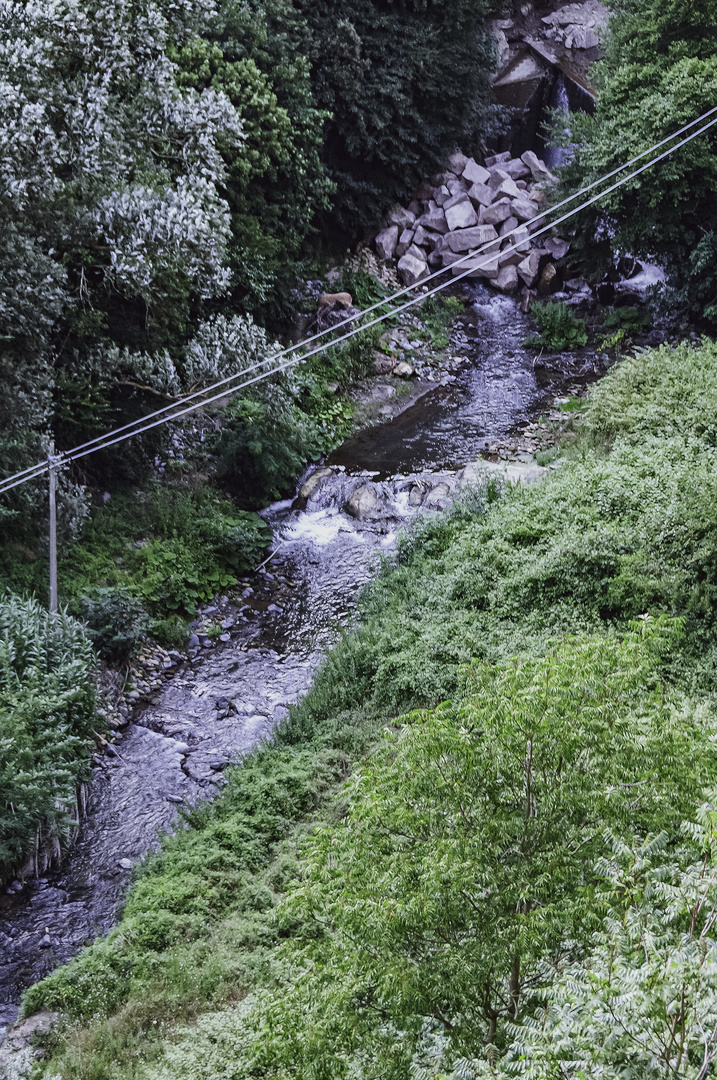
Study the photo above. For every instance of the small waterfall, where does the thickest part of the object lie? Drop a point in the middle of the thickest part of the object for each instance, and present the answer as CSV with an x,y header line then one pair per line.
x,y
559,113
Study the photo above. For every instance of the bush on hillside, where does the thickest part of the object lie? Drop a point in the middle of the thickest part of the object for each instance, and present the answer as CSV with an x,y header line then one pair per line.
x,y
47,716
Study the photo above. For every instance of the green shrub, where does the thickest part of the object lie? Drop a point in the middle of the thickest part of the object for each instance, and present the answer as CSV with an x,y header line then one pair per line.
x,y
560,327
47,716
116,621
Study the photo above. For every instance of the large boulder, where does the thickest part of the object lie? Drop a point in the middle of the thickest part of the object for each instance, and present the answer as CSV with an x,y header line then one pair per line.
x,y
434,219
438,497
363,502
529,268
558,248
507,280
524,210
461,216
516,169
457,163
386,242
497,159
401,217
496,213
481,195
474,173
413,266
507,190
404,242
465,239
538,168
481,266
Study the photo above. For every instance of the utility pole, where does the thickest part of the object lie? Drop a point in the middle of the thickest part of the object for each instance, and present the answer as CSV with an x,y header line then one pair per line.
x,y
53,527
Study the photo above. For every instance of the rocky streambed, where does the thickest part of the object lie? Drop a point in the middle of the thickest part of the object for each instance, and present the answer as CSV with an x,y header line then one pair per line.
x,y
255,649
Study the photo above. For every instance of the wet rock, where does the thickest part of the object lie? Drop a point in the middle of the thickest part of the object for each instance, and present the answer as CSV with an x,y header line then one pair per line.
x,y
312,483
193,642
549,280
362,501
438,497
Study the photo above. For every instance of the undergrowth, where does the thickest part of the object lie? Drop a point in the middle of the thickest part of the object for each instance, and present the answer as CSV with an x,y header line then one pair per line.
x,y
625,531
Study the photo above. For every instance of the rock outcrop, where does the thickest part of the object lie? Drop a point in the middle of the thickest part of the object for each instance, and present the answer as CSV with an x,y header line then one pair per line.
x,y
477,220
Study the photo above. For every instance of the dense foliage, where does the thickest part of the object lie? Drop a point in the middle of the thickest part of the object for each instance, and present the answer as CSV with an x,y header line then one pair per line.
x,y
47,717
505,882
403,85
659,73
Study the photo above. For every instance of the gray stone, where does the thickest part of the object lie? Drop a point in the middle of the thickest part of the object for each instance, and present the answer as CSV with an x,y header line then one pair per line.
x,y
548,281
454,200
507,190
457,163
520,239
480,195
508,225
479,267
386,242
401,217
517,169
404,370
465,239
309,487
404,242
461,216
497,176
423,238
456,186
496,213
497,159
434,219
524,210
538,168
558,248
441,195
529,268
413,266
507,280
474,173
438,497
126,864
362,501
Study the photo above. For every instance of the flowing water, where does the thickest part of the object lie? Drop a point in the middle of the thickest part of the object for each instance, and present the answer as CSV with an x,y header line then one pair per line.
x,y
229,696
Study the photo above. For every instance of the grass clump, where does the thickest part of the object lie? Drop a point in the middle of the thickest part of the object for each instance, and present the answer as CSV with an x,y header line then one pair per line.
x,y
560,328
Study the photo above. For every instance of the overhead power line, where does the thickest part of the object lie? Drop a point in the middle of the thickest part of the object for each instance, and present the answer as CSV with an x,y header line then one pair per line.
x,y
178,409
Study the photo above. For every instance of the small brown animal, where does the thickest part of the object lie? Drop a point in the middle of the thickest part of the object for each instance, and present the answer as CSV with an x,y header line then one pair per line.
x,y
339,299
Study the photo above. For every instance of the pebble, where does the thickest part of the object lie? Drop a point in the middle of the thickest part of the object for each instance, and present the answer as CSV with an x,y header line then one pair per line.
x,y
175,798
126,864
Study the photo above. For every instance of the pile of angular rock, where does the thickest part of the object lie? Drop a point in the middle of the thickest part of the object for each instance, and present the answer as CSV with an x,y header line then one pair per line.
x,y
475,206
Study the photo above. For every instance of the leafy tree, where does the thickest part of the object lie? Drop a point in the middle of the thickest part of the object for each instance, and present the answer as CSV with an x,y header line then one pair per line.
x,y
466,855
404,84
659,72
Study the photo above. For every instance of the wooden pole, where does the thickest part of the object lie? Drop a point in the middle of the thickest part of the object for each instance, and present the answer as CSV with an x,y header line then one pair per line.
x,y
53,528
